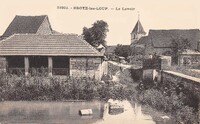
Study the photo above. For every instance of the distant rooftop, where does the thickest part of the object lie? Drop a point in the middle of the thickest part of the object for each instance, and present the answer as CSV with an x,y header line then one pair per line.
x,y
163,38
24,24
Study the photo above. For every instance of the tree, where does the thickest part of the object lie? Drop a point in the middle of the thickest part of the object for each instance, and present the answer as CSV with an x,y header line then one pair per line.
x,y
96,34
122,50
178,46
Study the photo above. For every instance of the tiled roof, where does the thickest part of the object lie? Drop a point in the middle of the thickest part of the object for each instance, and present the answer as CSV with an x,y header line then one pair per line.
x,y
142,40
138,29
46,45
24,24
163,38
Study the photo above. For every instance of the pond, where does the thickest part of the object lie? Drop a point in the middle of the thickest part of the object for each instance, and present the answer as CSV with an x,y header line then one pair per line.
x,y
38,112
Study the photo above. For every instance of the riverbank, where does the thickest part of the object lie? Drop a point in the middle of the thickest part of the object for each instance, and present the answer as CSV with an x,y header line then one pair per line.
x,y
15,88
41,88
164,100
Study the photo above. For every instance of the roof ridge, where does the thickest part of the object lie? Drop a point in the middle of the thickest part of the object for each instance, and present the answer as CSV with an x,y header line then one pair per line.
x,y
33,34
30,15
173,29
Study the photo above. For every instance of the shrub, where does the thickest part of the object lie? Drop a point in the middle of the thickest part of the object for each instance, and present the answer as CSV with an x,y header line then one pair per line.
x,y
185,114
13,87
112,69
173,104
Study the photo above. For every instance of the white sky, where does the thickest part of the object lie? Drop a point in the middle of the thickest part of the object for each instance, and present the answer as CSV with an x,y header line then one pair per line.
x,y
154,14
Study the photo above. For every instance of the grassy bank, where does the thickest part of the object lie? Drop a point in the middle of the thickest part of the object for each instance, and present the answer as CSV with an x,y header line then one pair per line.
x,y
170,97
13,87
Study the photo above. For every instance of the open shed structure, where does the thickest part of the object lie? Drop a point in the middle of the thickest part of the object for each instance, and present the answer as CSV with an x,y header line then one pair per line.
x,y
30,45
67,54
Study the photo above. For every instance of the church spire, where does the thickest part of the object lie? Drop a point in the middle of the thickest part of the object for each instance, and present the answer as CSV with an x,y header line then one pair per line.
x,y
138,30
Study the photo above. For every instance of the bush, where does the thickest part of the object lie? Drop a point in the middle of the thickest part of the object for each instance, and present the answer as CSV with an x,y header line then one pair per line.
x,y
185,114
112,69
13,87
173,104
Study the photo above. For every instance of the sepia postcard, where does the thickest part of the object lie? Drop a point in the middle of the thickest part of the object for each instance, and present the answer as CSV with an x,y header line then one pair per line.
x,y
100,62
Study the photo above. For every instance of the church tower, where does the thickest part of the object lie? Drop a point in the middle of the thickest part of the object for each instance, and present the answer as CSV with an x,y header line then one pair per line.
x,y
137,32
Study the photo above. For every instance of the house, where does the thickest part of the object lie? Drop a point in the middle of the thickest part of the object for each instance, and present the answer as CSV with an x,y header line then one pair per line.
x,y
158,42
29,44
28,25
57,54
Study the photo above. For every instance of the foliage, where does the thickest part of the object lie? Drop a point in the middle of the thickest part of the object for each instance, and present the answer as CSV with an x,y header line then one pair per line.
x,y
112,69
171,96
122,50
96,34
13,87
172,104
136,74
125,77
179,45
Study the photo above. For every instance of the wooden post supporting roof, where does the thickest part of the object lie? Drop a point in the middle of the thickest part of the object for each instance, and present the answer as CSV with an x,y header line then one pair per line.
x,y
50,65
26,63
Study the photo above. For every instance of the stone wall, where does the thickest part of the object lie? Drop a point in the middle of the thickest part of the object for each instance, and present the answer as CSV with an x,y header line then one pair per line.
x,y
191,83
86,67
2,64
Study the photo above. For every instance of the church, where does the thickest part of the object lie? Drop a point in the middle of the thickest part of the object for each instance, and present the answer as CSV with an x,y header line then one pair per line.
x,y
137,47
158,42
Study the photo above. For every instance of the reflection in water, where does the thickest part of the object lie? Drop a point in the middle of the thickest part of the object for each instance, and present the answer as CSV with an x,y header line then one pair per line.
x,y
129,116
49,112
67,113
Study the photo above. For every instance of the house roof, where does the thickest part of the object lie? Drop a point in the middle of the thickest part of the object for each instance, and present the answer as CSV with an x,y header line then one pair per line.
x,y
24,24
138,29
163,38
46,45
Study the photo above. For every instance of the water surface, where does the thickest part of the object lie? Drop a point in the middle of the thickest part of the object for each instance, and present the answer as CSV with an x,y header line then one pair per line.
x,y
37,112
49,112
